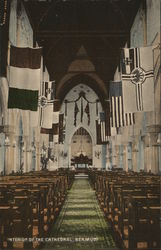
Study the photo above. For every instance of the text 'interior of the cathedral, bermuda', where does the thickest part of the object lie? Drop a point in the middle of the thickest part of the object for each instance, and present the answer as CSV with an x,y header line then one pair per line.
x,y
80,125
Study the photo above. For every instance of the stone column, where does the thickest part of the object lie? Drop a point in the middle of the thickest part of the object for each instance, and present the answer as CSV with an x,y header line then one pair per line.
x,y
103,157
28,160
56,155
24,155
125,157
38,156
7,155
97,156
9,147
152,148
67,161
141,154
108,157
11,150
130,156
121,149
14,145
147,155
29,148
135,150
2,151
117,155
113,153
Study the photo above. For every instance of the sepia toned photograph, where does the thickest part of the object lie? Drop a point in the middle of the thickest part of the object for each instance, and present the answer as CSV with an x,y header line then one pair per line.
x,y
80,125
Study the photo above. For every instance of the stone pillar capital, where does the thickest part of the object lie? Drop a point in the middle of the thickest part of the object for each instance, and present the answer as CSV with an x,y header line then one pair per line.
x,y
156,128
135,146
151,139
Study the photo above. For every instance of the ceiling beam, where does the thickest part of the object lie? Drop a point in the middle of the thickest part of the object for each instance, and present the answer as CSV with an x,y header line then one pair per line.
x,y
53,34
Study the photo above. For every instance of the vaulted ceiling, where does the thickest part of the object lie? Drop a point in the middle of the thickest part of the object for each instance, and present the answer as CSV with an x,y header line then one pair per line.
x,y
62,27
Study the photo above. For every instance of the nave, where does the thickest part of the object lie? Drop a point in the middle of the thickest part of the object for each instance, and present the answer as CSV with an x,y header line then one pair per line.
x,y
81,224
64,210
80,92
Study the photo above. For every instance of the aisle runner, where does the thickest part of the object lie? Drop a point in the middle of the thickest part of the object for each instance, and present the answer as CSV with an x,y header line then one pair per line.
x,y
81,225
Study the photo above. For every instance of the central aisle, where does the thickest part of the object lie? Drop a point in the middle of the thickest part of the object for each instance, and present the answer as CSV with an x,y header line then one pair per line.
x,y
81,224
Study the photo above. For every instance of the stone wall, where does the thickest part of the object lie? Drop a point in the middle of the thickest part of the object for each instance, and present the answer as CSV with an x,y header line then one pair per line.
x,y
141,142
20,127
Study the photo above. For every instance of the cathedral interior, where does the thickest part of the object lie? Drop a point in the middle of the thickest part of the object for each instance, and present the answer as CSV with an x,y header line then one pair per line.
x,y
80,124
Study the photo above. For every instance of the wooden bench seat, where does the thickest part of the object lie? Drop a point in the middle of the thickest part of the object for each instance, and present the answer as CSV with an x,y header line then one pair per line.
x,y
131,203
30,204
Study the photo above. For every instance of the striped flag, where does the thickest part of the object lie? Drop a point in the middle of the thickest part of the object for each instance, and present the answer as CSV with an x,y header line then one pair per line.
x,y
46,104
54,121
118,117
101,133
24,78
55,128
137,79
56,110
98,132
4,35
61,128
104,137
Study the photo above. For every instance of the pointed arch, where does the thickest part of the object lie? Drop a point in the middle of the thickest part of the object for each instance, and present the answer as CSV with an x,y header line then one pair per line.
x,y
78,127
90,79
81,153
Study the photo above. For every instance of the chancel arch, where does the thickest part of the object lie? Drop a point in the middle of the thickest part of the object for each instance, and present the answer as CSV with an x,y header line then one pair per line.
x,y
81,108
90,79
81,149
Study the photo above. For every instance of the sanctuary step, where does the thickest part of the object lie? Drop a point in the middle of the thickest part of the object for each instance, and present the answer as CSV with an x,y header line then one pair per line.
x,y
81,175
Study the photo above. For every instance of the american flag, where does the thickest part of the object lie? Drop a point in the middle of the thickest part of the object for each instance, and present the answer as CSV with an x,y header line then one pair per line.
x,y
101,132
118,117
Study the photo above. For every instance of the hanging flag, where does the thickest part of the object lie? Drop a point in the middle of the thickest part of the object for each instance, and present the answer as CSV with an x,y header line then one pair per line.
x,y
54,120
104,137
87,111
50,137
55,127
118,117
49,89
66,109
4,34
76,110
24,78
56,138
56,110
98,132
81,109
97,101
61,128
101,134
137,79
107,118
46,104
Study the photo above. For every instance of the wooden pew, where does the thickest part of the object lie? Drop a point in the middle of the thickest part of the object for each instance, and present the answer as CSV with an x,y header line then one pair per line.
x,y
114,191
31,203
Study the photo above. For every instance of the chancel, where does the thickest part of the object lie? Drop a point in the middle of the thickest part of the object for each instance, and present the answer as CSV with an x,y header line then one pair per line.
x,y
80,124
